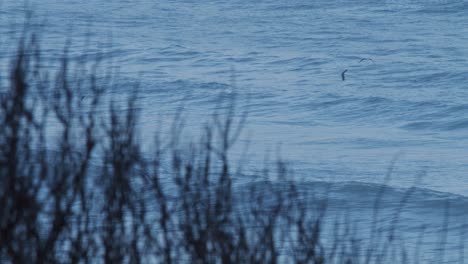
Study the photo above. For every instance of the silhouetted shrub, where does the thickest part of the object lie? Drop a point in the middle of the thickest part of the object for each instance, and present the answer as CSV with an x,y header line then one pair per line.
x,y
75,186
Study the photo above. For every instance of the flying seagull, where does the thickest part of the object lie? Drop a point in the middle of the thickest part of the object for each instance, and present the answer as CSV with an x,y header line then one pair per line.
x,y
343,75
364,59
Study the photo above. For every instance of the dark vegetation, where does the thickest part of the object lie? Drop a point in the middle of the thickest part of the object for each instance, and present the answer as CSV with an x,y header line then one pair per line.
x,y
84,192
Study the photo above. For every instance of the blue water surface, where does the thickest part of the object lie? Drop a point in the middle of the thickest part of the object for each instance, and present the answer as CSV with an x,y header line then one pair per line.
x,y
284,62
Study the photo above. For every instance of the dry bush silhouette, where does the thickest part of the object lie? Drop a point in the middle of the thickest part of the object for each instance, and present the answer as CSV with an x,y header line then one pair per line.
x,y
84,192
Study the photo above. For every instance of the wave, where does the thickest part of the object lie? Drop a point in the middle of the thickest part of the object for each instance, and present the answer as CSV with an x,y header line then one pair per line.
x,y
438,7
459,124
368,196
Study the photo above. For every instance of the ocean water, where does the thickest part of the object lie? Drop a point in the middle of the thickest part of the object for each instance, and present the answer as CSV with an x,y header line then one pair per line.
x,y
404,104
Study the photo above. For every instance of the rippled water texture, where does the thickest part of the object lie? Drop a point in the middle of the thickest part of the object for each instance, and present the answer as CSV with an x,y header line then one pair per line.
x,y
408,98
287,58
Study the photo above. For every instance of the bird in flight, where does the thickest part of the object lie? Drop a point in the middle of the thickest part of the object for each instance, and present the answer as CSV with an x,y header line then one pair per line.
x,y
343,77
365,59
